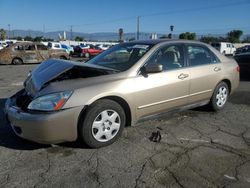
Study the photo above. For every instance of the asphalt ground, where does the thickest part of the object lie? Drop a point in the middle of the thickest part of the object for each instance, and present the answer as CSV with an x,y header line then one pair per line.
x,y
198,149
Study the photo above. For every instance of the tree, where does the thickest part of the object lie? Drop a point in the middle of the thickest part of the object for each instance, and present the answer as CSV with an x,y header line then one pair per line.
x,y
19,38
209,39
28,38
47,39
164,37
2,34
131,39
38,39
77,38
246,40
234,36
187,36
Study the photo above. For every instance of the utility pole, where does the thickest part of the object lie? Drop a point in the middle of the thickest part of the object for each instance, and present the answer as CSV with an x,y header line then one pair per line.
x,y
9,31
120,32
43,30
138,28
71,32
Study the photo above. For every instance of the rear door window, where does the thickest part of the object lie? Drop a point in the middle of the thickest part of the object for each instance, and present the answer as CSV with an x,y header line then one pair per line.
x,y
30,47
200,55
41,47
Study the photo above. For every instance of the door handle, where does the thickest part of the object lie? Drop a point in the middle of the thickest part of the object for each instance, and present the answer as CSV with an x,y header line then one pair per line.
x,y
217,69
183,76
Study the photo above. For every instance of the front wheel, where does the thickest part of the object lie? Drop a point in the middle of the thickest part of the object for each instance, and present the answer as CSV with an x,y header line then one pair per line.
x,y
220,97
102,124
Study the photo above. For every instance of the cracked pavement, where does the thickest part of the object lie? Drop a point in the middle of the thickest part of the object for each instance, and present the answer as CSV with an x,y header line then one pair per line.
x,y
197,149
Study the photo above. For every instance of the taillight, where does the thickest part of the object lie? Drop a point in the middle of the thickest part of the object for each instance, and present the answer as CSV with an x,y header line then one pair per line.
x,y
84,50
238,68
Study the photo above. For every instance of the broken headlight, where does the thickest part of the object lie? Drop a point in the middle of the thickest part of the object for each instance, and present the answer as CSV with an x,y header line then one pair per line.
x,y
51,102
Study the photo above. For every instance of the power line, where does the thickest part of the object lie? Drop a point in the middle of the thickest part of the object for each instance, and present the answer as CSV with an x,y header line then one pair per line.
x,y
197,9
168,12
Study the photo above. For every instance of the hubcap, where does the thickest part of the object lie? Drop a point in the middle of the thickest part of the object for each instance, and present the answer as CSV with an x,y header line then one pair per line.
x,y
106,125
221,97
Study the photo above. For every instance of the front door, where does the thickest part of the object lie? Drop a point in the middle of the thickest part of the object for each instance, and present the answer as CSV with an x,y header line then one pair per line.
x,y
158,92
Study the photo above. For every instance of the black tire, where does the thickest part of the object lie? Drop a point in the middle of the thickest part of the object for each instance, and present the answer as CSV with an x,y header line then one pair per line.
x,y
86,130
214,102
17,61
63,57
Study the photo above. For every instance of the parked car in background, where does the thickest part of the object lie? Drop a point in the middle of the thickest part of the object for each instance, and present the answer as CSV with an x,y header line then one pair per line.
x,y
94,101
243,49
77,51
56,46
29,52
84,46
92,51
3,44
69,49
104,46
243,59
225,48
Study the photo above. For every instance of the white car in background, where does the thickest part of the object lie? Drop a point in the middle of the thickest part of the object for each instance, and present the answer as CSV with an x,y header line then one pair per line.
x,y
104,46
225,48
3,45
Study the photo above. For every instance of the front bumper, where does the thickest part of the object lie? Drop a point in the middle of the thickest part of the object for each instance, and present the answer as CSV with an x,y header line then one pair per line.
x,y
45,128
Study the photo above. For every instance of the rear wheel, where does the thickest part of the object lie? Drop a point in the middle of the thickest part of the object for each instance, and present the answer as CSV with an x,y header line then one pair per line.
x,y
102,124
17,61
63,57
220,97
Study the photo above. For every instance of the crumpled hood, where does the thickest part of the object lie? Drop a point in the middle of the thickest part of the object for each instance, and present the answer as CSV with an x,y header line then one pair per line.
x,y
51,69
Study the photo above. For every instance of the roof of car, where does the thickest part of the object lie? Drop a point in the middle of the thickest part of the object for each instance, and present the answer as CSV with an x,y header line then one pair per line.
x,y
28,42
157,41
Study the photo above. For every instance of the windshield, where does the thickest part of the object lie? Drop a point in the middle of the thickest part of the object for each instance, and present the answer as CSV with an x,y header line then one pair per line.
x,y
121,57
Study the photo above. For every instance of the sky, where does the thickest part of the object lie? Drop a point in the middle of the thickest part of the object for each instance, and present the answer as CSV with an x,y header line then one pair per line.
x,y
200,16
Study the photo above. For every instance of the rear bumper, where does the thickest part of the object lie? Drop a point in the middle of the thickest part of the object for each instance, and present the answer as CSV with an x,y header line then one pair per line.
x,y
45,128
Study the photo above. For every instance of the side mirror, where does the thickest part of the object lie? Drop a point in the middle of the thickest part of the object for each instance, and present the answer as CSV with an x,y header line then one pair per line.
x,y
153,68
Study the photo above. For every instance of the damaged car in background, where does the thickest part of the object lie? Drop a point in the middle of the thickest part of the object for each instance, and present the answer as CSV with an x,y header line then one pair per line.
x,y
29,52
63,100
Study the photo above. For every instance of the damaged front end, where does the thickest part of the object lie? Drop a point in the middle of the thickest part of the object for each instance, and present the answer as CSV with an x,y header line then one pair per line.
x,y
58,70
54,71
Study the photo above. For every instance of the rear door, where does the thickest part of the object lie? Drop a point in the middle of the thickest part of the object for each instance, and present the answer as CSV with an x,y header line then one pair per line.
x,y
205,71
43,52
30,54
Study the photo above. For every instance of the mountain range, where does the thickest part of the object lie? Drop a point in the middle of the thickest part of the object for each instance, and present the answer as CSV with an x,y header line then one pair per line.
x,y
98,36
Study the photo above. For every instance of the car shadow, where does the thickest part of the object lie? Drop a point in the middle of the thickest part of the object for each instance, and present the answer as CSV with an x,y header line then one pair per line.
x,y
9,140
